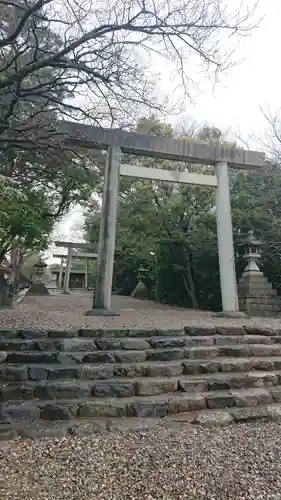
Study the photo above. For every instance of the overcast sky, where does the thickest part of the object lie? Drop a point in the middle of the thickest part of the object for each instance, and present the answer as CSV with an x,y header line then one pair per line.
x,y
253,83
234,104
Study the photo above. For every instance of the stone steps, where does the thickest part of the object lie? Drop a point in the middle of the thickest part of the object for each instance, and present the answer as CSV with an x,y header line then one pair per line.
x,y
190,331
99,333
135,356
126,387
54,381
81,344
158,406
81,371
193,331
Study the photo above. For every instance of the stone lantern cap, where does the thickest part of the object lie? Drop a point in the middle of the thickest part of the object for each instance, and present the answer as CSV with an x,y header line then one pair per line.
x,y
142,273
251,241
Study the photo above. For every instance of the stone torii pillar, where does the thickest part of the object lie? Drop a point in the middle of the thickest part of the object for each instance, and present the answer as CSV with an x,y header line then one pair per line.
x,y
106,250
61,273
86,273
225,242
67,270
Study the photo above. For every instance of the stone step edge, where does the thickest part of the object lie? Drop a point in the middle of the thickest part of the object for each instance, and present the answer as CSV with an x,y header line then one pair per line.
x,y
192,330
251,348
164,385
86,427
199,341
151,362
167,397
186,362
192,377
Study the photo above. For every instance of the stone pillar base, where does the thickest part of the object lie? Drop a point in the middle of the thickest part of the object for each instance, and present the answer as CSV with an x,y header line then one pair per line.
x,y
101,312
261,306
230,314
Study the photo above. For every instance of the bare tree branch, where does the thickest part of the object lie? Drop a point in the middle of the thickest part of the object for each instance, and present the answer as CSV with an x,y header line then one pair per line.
x,y
93,61
63,49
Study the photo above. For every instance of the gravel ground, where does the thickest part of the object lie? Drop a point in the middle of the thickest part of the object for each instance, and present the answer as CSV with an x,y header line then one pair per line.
x,y
68,311
238,462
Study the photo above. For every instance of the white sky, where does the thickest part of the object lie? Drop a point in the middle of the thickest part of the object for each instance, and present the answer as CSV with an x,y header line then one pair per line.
x,y
253,83
235,103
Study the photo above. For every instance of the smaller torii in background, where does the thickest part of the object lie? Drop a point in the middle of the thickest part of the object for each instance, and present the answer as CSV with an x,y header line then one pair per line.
x,y
69,256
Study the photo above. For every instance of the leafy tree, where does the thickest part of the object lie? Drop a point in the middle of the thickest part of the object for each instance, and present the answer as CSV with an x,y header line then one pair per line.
x,y
23,218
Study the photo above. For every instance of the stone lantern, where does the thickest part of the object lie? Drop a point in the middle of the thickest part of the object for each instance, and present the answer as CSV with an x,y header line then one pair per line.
x,y
142,273
40,267
38,286
252,252
256,295
141,292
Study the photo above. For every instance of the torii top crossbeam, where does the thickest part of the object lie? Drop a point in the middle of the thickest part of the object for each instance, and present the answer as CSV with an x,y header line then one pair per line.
x,y
80,255
69,244
86,136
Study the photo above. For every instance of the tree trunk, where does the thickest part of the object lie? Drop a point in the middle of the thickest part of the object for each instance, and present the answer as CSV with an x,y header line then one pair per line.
x,y
189,284
5,292
17,261
192,292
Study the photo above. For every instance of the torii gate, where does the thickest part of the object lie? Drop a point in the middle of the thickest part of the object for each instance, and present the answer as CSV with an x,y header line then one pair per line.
x,y
118,141
70,247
